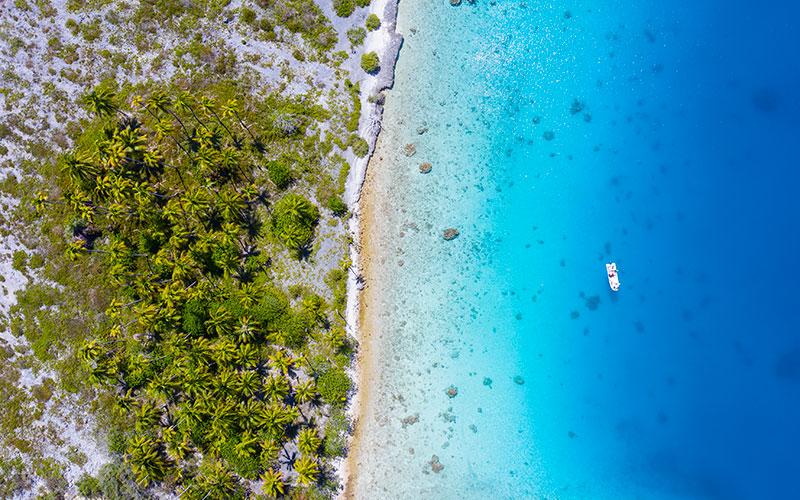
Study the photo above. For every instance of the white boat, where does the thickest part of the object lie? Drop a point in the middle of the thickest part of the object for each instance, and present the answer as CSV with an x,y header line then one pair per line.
x,y
613,276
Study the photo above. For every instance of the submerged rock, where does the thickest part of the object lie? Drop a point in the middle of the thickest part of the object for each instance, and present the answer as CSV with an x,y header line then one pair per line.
x,y
519,380
577,107
410,420
592,302
549,135
450,233
409,150
436,466
487,382
452,391
425,168
455,2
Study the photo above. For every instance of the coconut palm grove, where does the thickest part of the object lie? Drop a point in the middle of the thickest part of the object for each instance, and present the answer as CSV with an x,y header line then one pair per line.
x,y
216,374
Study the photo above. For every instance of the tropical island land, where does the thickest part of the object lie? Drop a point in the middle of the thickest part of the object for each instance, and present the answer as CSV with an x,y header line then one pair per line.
x,y
179,251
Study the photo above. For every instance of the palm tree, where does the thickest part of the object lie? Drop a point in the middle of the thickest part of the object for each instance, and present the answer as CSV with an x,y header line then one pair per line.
x,y
232,109
78,168
306,392
147,459
219,322
247,383
276,388
273,483
232,205
297,207
308,442
247,446
101,102
207,106
216,483
159,100
247,329
183,103
224,382
307,470
282,362
270,451
224,352
247,356
315,307
273,420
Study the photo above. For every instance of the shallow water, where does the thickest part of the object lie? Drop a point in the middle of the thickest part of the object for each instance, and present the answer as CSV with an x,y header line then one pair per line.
x,y
563,135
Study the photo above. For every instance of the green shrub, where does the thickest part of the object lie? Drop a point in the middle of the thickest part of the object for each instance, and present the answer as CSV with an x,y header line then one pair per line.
x,y
360,147
370,62
297,54
337,205
337,429
19,260
247,16
343,8
195,315
92,31
279,174
373,22
36,261
362,3
89,486
356,36
117,482
72,26
333,386
267,28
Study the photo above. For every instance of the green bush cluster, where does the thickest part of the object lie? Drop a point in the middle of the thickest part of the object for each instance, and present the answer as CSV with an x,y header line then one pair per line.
x,y
247,16
337,205
356,36
334,386
360,147
344,8
279,173
19,260
373,22
370,62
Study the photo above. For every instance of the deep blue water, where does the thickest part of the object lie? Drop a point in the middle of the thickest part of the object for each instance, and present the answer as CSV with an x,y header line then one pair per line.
x,y
662,136
687,380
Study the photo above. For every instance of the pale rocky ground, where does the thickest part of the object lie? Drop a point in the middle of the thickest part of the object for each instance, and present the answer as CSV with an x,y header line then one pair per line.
x,y
45,67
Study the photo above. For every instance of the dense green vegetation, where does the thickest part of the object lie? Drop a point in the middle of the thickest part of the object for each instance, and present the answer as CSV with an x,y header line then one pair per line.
x,y
370,62
356,36
343,8
202,215
211,367
373,22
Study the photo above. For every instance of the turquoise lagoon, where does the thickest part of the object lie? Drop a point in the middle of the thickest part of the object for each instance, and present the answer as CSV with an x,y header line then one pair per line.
x,y
563,135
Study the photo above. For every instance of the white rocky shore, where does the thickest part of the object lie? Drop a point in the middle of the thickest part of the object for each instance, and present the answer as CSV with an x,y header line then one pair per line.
x,y
386,43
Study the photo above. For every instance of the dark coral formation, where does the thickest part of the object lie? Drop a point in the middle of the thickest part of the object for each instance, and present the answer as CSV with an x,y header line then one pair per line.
x,y
450,233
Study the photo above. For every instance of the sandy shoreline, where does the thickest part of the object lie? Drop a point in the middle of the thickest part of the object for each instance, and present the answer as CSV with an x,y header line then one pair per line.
x,y
387,44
